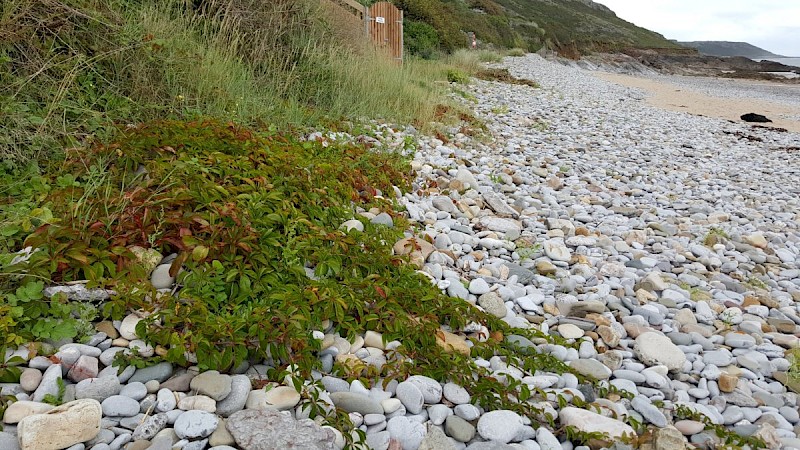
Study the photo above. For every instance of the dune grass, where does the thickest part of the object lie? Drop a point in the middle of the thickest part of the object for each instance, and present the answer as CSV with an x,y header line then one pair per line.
x,y
72,72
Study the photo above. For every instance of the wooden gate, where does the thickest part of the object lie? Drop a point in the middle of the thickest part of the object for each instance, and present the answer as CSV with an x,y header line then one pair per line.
x,y
385,24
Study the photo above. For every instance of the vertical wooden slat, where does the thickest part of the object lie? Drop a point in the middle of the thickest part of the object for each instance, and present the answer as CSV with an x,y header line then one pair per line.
x,y
386,28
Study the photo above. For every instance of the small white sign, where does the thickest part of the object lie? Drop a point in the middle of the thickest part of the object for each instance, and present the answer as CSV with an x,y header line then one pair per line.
x,y
380,19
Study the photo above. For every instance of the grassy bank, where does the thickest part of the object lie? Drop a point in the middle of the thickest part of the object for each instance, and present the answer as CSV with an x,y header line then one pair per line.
x,y
74,70
77,77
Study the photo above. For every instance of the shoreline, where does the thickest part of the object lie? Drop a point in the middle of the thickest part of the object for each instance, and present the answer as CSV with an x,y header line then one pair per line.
x,y
673,95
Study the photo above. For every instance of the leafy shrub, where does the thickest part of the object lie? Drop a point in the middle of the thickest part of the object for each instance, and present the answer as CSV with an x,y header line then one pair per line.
x,y
420,39
489,56
456,76
26,315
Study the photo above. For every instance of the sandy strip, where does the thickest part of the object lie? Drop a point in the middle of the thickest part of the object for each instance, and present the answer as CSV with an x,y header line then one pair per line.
x,y
675,97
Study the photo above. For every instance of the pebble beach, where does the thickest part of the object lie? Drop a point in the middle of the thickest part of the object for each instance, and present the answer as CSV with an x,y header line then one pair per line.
x,y
662,248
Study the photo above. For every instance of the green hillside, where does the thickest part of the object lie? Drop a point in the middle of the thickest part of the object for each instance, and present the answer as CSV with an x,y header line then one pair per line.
x,y
570,26
725,48
581,25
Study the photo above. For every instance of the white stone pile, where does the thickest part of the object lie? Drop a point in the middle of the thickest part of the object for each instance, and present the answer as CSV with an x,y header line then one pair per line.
x,y
664,248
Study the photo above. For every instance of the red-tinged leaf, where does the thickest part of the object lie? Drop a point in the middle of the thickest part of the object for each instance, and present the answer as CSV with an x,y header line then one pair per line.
x,y
200,221
380,291
96,226
77,255
176,265
184,232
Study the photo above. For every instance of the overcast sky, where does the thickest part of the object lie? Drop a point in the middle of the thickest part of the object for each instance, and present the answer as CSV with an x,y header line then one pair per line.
x,y
773,25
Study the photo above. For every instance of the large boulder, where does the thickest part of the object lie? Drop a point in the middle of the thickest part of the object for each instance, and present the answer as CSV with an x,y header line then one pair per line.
x,y
273,430
591,422
61,427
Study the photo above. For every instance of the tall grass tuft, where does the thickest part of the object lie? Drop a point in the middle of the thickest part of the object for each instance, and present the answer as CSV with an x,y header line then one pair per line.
x,y
74,71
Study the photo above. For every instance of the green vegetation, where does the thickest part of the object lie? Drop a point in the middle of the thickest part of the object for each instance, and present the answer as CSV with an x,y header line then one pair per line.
x,y
527,250
713,237
571,27
457,76
499,110
574,27
793,356
254,218
57,399
74,71
729,439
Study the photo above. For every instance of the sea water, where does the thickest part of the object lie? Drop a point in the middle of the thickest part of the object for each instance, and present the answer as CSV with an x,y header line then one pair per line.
x,y
788,61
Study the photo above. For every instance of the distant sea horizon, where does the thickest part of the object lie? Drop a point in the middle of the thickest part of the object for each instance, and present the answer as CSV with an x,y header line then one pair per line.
x,y
791,61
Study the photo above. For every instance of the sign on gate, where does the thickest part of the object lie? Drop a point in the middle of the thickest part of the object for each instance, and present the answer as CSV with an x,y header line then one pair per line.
x,y
383,22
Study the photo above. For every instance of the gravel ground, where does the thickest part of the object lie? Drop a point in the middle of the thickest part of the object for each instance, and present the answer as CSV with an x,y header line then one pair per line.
x,y
663,247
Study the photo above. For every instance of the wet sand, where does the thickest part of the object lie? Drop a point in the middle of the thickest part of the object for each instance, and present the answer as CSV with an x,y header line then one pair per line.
x,y
677,96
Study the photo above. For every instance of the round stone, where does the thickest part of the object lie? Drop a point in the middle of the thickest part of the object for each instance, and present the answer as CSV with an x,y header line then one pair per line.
x,y
411,397
656,349
195,424
128,327
689,427
570,331
120,406
407,432
136,391
160,278
499,426
282,397
459,429
30,378
212,384
456,394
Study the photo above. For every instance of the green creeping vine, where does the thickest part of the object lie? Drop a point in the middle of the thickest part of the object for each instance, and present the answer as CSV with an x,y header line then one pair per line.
x,y
730,440
249,215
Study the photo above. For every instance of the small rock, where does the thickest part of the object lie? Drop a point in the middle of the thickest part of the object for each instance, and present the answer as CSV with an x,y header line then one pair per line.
x,y
236,400
150,427
282,397
212,384
456,394
407,432
591,422
30,379
120,406
727,382
656,349
669,438
98,388
354,402
570,331
435,439
411,397
195,424
160,278
557,251
49,383
499,426
22,409
197,402
459,429
452,343
86,367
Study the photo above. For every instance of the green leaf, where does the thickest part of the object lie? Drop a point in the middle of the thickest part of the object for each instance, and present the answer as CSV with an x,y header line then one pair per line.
x,y
10,374
9,230
199,253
